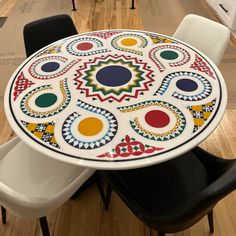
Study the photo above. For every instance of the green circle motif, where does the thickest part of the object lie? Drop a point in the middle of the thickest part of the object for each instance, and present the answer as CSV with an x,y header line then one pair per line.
x,y
46,100
169,55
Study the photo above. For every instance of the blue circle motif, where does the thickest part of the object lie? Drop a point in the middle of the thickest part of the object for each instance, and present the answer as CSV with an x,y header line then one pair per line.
x,y
113,76
187,85
50,66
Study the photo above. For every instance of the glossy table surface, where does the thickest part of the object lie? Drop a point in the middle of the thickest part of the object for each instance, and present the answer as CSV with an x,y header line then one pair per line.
x,y
115,99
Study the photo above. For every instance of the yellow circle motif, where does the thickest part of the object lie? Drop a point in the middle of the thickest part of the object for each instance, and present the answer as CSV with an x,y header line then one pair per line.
x,y
90,126
128,42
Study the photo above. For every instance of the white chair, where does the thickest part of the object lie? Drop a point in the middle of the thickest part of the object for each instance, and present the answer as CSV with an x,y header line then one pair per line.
x,y
33,185
206,35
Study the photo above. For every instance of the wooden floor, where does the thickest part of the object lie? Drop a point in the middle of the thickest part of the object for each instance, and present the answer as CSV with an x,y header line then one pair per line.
x,y
86,216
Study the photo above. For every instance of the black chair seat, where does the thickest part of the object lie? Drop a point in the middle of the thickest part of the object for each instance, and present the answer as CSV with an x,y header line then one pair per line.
x,y
174,195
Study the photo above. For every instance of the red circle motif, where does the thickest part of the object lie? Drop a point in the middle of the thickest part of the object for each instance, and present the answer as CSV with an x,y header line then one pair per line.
x,y
157,118
84,46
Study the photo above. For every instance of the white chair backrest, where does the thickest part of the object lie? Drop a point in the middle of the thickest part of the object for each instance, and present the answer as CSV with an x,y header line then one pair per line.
x,y
208,36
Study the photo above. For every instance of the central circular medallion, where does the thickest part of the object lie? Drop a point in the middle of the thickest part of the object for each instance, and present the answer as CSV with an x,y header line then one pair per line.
x,y
157,118
90,126
113,76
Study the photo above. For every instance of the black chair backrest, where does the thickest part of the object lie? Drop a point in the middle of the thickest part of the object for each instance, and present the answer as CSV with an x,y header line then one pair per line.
x,y
42,32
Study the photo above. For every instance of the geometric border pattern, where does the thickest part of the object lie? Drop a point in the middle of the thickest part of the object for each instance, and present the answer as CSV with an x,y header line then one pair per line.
x,y
129,147
24,104
98,43
159,39
157,136
130,50
200,65
160,66
33,72
51,50
104,35
167,80
201,113
42,131
75,142
21,85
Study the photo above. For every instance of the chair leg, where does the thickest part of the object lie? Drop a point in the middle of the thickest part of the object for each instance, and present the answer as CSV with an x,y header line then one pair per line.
x,y
4,215
108,196
73,4
44,226
105,197
132,5
100,188
210,221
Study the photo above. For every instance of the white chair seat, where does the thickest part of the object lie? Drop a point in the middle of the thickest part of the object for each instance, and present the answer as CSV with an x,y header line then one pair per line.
x,y
32,184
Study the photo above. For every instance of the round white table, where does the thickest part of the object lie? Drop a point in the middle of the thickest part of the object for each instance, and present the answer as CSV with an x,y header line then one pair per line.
x,y
116,99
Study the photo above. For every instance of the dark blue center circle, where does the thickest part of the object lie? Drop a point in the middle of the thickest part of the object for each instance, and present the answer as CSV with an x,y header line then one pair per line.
x,y
187,85
50,66
113,76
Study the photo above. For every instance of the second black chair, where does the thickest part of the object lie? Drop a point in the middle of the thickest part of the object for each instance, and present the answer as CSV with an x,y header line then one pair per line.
x,y
174,195
39,33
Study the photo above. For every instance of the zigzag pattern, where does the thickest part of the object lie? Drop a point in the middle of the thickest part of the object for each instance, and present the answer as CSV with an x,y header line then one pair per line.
x,y
141,80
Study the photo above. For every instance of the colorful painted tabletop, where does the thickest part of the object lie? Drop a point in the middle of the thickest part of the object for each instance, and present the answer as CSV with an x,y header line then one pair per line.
x,y
115,99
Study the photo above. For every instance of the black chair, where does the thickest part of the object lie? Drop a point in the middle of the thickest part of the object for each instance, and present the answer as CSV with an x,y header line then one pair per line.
x,y
174,195
39,33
